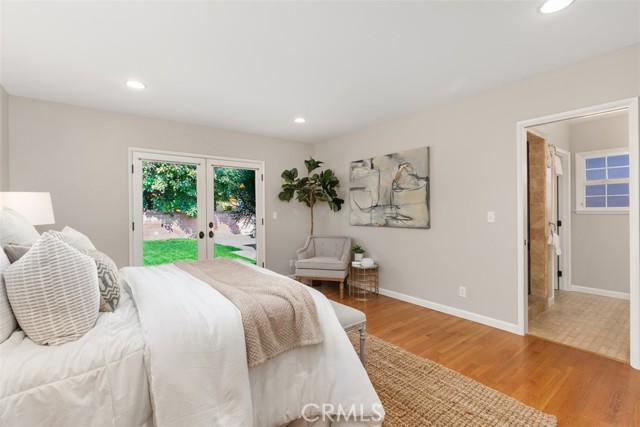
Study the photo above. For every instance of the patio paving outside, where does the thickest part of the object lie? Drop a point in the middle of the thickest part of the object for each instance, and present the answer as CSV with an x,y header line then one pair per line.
x,y
228,232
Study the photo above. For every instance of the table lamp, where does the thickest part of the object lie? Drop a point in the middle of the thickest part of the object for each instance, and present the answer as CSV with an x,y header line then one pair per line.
x,y
36,207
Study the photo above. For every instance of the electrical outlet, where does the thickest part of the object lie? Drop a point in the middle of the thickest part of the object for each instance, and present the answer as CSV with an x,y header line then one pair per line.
x,y
292,263
491,216
275,215
462,291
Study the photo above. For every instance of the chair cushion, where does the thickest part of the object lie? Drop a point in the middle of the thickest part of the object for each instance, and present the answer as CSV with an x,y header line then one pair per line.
x,y
334,275
322,263
330,247
348,316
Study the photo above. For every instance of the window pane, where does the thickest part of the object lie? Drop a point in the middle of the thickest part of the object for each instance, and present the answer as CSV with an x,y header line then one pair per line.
x,y
618,173
595,202
621,160
617,190
597,162
595,174
618,201
596,190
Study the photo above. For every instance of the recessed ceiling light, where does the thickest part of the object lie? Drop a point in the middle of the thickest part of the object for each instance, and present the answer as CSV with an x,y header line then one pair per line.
x,y
134,84
300,120
552,6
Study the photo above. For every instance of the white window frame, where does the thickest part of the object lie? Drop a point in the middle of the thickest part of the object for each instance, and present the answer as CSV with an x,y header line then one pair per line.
x,y
581,182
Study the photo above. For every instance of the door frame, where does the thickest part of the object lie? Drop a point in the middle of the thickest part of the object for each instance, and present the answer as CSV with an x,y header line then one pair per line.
x,y
565,217
191,158
631,105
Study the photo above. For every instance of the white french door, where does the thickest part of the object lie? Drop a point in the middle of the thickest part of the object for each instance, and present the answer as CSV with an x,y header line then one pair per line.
x,y
188,207
241,226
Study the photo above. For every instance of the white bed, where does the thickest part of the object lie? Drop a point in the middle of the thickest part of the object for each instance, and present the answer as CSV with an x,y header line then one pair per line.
x,y
173,354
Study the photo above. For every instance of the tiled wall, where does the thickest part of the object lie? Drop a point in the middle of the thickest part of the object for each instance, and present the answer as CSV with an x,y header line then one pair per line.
x,y
538,224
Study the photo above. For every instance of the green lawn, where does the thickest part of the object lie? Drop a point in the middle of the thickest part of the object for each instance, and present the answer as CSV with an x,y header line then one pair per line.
x,y
170,250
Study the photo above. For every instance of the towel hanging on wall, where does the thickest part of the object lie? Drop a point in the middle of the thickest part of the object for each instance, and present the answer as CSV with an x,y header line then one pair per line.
x,y
557,164
554,240
554,160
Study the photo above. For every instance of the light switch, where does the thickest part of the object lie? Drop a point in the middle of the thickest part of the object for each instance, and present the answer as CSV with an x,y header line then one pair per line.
x,y
275,215
491,216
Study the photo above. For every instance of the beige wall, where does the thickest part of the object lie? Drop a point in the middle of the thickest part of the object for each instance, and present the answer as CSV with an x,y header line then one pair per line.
x,y
600,243
4,140
80,155
473,170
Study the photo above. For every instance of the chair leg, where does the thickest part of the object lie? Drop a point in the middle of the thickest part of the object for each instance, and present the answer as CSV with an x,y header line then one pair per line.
x,y
363,344
342,289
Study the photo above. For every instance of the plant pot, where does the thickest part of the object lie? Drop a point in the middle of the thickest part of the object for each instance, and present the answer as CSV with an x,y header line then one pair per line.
x,y
358,257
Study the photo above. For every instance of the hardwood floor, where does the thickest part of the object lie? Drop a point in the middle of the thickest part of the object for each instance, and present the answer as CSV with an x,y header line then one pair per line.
x,y
580,388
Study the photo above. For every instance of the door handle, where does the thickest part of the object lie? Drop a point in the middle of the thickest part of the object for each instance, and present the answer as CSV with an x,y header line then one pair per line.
x,y
211,225
201,234
210,233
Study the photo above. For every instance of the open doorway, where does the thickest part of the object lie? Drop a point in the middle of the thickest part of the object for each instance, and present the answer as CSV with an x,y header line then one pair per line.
x,y
591,310
582,252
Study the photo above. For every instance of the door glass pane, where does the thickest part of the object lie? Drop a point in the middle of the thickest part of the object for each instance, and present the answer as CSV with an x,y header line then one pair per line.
x,y
170,212
235,213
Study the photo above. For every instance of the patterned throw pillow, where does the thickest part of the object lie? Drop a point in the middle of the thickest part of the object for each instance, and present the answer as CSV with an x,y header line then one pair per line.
x,y
107,272
16,229
53,291
109,280
8,322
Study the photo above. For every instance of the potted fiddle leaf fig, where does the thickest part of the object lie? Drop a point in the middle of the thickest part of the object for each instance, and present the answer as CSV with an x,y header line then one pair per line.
x,y
315,187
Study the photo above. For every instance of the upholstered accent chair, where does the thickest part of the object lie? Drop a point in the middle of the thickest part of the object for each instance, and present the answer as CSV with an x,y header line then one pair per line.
x,y
324,258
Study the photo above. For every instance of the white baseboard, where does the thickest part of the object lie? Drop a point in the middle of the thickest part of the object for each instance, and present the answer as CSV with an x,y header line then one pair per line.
x,y
601,292
489,321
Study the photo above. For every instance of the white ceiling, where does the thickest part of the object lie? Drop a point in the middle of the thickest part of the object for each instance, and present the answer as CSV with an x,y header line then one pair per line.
x,y
254,66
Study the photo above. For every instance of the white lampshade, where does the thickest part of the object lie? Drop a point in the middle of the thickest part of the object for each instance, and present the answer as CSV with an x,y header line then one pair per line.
x,y
36,207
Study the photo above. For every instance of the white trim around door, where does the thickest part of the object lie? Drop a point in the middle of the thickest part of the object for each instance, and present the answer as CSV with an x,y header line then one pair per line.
x,y
564,204
631,105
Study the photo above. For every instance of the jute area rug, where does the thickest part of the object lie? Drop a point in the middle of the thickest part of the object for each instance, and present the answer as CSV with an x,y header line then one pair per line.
x,y
417,392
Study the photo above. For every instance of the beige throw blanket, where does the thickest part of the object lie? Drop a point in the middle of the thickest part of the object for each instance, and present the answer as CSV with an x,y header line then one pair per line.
x,y
278,315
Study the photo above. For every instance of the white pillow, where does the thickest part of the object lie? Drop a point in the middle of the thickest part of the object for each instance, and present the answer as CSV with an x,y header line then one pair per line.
x,y
107,272
8,322
16,229
80,240
53,291
4,261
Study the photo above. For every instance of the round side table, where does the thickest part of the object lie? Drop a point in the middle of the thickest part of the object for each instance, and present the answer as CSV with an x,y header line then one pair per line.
x,y
363,282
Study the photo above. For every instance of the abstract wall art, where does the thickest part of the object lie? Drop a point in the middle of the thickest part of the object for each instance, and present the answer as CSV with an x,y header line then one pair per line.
x,y
391,190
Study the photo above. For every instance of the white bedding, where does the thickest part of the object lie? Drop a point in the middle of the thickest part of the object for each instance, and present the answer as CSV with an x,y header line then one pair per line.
x,y
196,345
98,380
187,340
